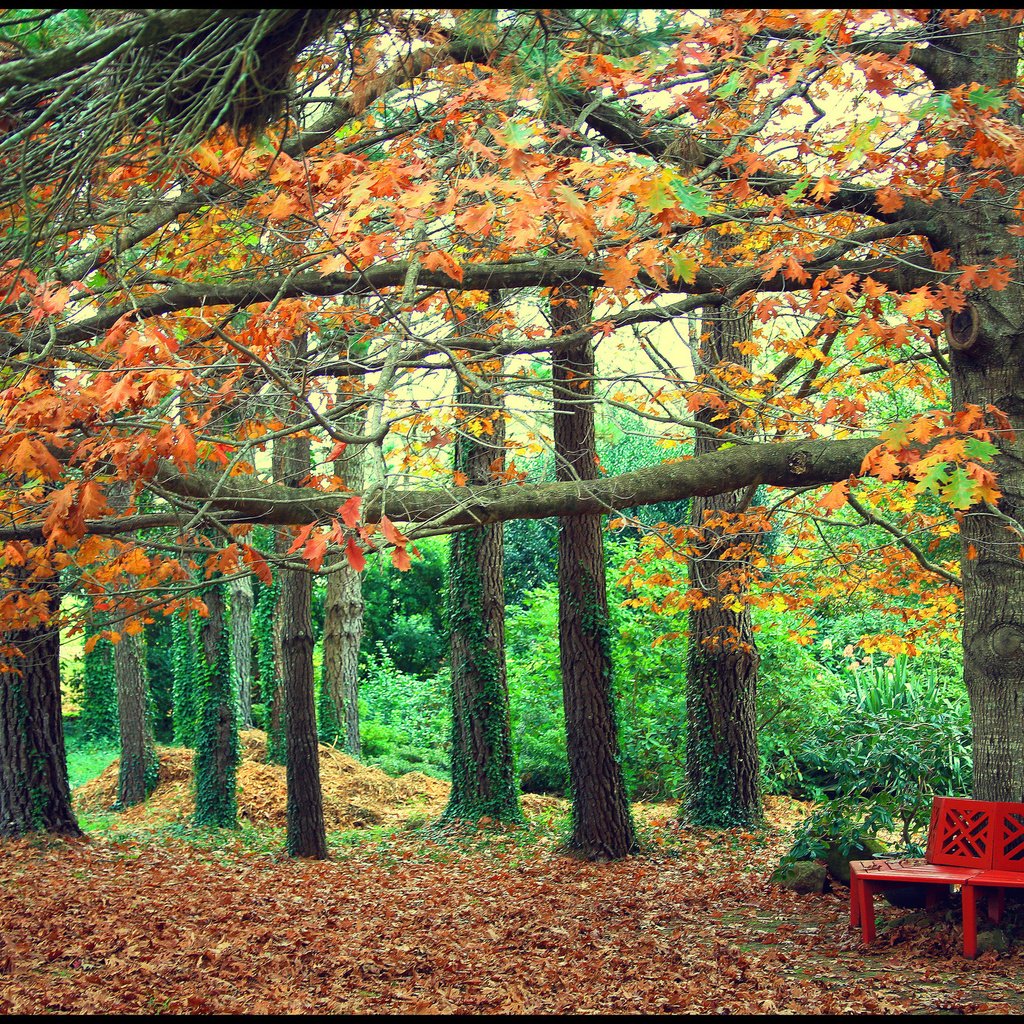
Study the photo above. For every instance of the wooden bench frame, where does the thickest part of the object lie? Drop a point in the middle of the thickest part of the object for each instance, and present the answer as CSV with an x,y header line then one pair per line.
x,y
976,844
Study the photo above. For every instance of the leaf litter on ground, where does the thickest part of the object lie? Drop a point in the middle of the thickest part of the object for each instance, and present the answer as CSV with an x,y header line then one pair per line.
x,y
143,920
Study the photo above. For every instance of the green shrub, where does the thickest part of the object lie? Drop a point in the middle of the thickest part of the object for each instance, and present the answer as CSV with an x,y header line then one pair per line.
x,y
418,708
896,739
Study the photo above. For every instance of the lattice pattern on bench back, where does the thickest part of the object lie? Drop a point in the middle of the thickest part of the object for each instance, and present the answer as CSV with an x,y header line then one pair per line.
x,y
1009,849
966,833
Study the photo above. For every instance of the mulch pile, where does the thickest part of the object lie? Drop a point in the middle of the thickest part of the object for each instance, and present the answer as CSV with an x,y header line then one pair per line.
x,y
355,795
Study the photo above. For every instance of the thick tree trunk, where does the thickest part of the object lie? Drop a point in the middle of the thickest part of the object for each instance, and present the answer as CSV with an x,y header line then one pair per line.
x,y
343,623
138,768
987,368
483,770
722,762
241,646
307,836
602,826
34,791
217,749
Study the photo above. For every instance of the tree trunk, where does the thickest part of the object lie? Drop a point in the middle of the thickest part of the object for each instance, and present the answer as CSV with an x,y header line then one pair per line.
x,y
34,791
483,769
186,687
274,689
241,646
987,369
139,767
602,826
307,836
343,623
217,749
723,785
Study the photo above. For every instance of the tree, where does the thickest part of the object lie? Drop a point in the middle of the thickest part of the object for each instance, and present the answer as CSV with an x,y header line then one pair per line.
x,y
601,822
868,163
217,749
483,775
722,759
343,627
138,766
34,791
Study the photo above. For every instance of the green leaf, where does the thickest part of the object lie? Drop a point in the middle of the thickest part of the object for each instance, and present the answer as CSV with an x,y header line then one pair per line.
x,y
731,86
983,451
960,491
690,198
985,99
684,268
797,190
934,479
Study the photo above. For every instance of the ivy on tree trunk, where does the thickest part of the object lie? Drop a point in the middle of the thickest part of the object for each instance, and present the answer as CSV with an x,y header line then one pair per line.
x,y
482,765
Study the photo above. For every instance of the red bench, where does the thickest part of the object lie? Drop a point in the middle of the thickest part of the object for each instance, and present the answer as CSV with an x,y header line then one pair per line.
x,y
976,844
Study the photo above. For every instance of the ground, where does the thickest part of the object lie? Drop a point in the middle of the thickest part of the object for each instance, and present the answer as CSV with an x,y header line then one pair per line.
x,y
152,916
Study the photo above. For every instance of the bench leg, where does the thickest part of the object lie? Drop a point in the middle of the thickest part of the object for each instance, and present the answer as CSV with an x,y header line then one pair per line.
x,y
854,900
996,904
867,910
970,912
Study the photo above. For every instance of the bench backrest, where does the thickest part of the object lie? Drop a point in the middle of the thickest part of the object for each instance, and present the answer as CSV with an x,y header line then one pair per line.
x,y
964,833
1009,839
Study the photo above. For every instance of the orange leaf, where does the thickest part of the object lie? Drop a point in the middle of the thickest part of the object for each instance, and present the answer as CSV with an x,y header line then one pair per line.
x,y
400,558
835,498
350,510
355,555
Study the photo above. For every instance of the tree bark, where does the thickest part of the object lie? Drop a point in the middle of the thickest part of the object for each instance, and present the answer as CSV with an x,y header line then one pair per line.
x,y
138,767
602,826
241,646
217,748
990,372
483,769
722,762
307,835
343,623
34,791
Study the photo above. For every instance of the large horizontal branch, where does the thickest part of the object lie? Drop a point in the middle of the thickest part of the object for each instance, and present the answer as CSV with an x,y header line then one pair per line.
x,y
238,499
901,272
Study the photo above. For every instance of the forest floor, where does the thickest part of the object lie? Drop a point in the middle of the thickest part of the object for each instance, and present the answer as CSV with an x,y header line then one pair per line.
x,y
148,914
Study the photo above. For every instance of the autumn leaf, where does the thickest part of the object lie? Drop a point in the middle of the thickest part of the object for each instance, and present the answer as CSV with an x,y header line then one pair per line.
x,y
835,497
354,554
349,511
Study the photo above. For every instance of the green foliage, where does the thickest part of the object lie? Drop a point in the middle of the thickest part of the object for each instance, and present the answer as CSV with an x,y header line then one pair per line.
x,y
648,682
160,670
415,712
896,739
184,662
392,750
796,693
97,721
404,612
87,758
217,747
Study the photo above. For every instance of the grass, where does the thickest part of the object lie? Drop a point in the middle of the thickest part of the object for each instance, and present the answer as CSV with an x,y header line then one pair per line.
x,y
87,760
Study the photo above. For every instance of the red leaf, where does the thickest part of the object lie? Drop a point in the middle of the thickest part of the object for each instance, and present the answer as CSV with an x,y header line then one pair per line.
x,y
350,510
400,558
355,555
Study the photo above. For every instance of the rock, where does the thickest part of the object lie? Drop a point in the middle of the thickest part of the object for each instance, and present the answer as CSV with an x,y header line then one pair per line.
x,y
803,876
993,938
838,862
911,896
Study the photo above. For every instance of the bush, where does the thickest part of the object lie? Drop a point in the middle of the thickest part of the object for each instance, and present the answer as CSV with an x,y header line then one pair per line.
x,y
896,739
418,708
